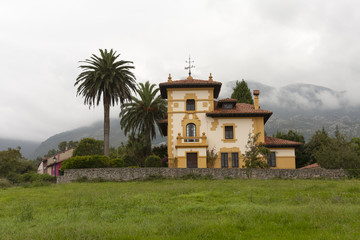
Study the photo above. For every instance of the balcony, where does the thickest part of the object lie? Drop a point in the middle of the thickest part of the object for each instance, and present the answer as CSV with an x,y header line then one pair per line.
x,y
183,142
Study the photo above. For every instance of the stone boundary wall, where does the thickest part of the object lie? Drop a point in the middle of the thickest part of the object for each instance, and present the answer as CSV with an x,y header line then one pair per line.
x,y
127,174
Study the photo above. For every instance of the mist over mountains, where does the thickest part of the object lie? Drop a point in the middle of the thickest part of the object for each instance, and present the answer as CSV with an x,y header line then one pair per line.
x,y
27,147
306,108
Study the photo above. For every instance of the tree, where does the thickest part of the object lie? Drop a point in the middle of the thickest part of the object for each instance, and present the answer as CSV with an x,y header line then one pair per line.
x,y
356,142
143,113
108,79
62,146
319,139
256,154
338,153
135,151
242,93
302,157
160,151
12,162
89,146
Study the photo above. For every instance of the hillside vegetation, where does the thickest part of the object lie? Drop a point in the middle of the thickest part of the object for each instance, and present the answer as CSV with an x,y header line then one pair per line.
x,y
183,209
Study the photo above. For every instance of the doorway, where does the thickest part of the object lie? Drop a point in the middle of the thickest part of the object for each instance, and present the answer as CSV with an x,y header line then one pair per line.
x,y
191,160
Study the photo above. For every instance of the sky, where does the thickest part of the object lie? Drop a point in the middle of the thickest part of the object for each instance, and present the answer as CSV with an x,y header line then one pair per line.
x,y
275,42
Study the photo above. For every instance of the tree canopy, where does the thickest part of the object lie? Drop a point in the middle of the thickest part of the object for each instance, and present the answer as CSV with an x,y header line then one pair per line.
x,y
241,93
108,79
89,146
142,114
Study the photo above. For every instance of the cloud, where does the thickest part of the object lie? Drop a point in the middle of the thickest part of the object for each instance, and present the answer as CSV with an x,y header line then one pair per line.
x,y
275,42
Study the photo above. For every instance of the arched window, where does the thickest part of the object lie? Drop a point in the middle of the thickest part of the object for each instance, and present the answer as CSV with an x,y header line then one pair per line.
x,y
191,131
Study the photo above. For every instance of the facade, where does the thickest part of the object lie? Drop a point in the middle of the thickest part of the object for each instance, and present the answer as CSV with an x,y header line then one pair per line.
x,y
197,122
52,165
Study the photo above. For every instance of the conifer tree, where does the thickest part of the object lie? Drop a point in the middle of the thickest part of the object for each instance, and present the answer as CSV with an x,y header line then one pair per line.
x,y
242,93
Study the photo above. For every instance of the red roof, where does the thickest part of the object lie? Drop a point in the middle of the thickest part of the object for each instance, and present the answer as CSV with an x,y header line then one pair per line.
x,y
314,165
190,83
277,142
228,100
240,110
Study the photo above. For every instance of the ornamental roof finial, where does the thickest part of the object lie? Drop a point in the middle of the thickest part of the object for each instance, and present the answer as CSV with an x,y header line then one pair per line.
x,y
169,78
210,78
190,66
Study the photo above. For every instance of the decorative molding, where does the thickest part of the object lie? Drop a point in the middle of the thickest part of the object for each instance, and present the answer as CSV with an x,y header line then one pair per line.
x,y
234,139
214,124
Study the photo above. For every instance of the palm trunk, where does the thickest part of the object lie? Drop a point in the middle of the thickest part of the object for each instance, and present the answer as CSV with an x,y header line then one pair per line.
x,y
148,139
106,125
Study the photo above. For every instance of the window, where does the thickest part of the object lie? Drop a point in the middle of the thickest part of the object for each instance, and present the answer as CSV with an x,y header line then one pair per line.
x,y
272,159
190,131
235,159
228,106
190,105
224,160
229,132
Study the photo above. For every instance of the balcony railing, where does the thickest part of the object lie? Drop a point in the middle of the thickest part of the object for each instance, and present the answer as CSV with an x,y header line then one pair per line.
x,y
191,141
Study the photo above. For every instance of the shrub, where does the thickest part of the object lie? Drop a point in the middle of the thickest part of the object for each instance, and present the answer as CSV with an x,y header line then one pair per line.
x,y
128,161
14,177
153,161
95,161
116,162
35,177
4,183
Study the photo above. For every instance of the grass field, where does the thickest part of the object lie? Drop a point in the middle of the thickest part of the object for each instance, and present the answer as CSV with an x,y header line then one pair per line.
x,y
184,209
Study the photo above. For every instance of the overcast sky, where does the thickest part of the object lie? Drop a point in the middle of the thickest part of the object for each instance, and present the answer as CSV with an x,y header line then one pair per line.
x,y
275,42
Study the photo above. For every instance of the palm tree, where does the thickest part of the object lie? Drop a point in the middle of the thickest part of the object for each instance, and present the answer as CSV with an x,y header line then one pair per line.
x,y
106,78
142,114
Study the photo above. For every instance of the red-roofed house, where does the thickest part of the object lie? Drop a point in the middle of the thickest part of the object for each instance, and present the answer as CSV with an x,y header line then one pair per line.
x,y
197,122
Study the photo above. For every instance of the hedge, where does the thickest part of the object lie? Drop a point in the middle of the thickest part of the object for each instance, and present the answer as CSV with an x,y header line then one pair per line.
x,y
153,161
95,161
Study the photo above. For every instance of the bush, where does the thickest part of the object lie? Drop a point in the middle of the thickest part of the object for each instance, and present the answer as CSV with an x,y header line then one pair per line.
x,y
116,162
96,161
35,177
14,177
4,183
153,161
128,161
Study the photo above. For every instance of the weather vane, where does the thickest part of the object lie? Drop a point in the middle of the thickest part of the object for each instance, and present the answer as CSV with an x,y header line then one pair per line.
x,y
190,66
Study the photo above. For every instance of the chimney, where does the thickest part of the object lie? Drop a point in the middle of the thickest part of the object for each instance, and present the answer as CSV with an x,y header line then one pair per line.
x,y
256,99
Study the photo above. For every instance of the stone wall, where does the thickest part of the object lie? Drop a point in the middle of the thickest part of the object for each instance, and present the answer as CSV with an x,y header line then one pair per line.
x,y
127,174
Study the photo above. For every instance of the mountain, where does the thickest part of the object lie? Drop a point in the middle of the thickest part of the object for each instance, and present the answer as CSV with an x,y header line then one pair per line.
x,y
301,107
96,130
305,108
27,147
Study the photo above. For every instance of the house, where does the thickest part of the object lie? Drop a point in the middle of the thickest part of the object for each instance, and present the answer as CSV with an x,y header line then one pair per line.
x,y
197,122
52,165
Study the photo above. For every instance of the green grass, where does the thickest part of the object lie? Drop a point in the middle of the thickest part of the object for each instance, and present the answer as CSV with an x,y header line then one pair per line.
x,y
184,209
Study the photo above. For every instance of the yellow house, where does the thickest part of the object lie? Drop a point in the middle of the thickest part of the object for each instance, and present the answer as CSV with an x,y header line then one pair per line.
x,y
197,122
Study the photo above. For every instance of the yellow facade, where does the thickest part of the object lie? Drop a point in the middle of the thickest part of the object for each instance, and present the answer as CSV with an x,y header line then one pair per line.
x,y
210,131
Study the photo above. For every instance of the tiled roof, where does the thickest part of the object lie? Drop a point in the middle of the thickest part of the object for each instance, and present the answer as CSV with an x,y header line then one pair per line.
x,y
240,110
190,83
314,165
277,142
227,100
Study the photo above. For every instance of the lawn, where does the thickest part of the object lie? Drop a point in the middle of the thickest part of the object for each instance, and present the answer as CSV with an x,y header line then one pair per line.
x,y
184,209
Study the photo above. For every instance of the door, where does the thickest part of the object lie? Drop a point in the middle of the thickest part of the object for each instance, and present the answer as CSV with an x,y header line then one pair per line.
x,y
191,159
